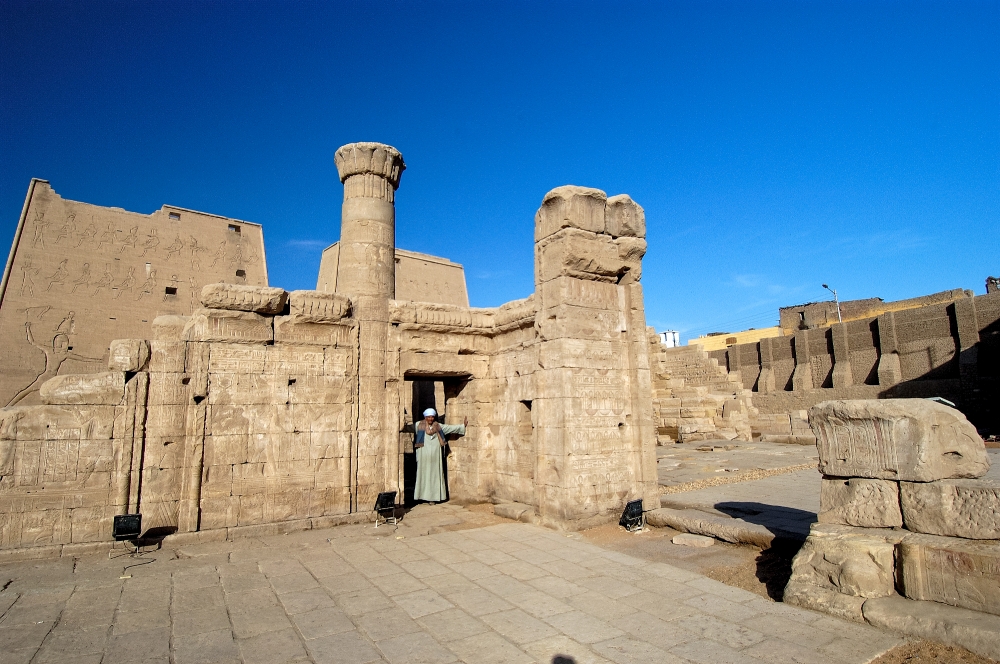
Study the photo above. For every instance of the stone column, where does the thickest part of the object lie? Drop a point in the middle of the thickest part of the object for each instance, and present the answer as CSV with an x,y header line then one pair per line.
x,y
366,273
967,345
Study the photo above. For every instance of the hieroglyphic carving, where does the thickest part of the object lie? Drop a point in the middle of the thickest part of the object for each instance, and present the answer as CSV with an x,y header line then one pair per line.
x,y
147,286
27,271
151,243
66,230
83,280
38,240
108,236
175,247
105,281
88,235
130,239
59,276
126,284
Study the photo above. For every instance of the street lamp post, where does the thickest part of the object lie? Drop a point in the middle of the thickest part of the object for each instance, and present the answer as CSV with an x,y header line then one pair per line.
x,y
836,301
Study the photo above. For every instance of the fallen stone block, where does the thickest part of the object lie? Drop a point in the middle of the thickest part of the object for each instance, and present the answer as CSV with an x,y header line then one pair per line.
x,y
950,570
912,440
512,510
953,508
816,598
98,389
690,539
128,354
236,297
978,632
859,562
700,523
860,502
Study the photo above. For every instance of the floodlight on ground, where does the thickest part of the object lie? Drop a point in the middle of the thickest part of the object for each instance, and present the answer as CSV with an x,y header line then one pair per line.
x,y
632,518
385,508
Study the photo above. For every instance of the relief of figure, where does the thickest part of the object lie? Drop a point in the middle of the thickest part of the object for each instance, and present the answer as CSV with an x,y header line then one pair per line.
x,y
67,230
40,226
108,236
251,254
88,234
151,243
237,259
83,280
126,284
133,237
175,247
147,286
173,284
194,293
196,250
27,284
220,253
59,276
55,354
67,325
105,280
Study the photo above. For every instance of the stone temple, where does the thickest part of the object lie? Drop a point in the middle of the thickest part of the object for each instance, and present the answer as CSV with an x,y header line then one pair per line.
x,y
268,409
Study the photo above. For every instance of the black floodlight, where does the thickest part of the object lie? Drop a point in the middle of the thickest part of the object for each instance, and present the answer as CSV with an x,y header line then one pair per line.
x,y
385,507
126,527
632,518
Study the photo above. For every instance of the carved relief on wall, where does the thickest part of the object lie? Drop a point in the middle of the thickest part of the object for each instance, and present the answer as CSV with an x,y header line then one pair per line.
x,y
56,349
83,280
40,225
67,230
126,284
175,247
130,239
27,283
59,276
88,234
151,243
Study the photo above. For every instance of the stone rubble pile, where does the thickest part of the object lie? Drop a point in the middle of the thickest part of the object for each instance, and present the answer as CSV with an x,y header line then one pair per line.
x,y
694,398
903,514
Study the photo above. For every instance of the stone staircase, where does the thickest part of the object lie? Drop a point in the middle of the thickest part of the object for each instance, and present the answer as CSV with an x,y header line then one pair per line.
x,y
694,398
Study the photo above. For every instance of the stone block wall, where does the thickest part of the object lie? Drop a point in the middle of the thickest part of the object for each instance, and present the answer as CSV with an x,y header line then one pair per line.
x,y
265,408
901,511
949,349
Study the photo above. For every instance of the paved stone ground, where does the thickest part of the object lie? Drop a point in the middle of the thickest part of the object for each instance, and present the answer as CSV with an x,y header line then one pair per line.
x,y
510,592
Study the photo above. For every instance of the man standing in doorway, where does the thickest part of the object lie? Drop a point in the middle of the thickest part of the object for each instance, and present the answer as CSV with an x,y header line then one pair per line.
x,y
429,446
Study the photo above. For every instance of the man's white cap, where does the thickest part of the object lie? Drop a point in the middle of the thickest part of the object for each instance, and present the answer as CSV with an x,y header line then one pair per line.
x,y
429,412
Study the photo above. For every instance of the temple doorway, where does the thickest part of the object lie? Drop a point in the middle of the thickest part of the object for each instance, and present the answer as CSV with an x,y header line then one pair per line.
x,y
419,394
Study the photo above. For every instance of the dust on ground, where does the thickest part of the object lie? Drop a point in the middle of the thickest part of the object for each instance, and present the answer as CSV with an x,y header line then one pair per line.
x,y
928,652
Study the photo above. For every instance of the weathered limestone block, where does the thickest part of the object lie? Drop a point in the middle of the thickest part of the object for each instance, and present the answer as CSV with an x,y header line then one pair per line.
x,y
973,630
169,328
100,389
630,251
318,307
236,297
128,354
228,326
913,440
809,596
167,356
860,502
293,330
625,217
952,571
576,253
852,561
955,508
571,207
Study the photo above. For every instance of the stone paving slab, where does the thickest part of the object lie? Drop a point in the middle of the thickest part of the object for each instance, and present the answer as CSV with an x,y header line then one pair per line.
x,y
350,594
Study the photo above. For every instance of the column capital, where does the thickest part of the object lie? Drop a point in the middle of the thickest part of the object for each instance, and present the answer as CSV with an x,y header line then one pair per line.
x,y
378,159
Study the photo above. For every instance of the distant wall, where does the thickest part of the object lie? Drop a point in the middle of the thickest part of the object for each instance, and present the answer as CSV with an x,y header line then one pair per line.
x,y
949,349
80,275
824,314
419,277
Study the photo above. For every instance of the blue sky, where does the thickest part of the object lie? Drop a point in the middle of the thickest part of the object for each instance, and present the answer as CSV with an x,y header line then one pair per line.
x,y
774,146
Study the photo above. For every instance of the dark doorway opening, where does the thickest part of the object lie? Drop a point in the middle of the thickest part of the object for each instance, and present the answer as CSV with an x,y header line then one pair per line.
x,y
430,392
